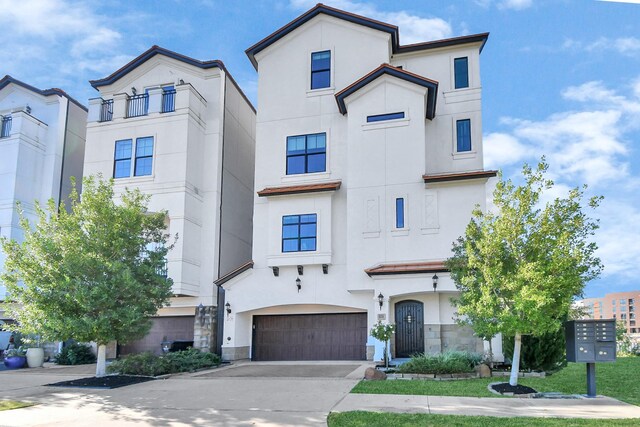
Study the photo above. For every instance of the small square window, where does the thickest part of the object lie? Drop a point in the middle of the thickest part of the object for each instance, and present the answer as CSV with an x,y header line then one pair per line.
x,y
306,154
321,69
463,135
299,233
461,72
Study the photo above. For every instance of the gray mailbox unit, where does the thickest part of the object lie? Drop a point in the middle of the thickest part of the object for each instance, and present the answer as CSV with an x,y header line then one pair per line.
x,y
590,341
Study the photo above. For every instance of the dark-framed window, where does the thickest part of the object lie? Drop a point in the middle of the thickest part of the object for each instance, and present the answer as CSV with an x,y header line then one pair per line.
x,y
321,69
463,135
299,233
144,156
122,159
306,153
461,72
383,117
400,212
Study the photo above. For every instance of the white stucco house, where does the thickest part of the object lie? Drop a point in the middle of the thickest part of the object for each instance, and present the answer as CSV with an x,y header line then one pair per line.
x,y
42,142
369,162
182,131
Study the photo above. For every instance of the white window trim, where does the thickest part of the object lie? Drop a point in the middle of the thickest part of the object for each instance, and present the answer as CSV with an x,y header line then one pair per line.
x,y
134,143
332,84
459,155
452,58
313,176
404,231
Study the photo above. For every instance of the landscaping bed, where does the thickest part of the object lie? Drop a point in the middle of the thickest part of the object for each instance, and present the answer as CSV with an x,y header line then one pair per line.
x,y
148,364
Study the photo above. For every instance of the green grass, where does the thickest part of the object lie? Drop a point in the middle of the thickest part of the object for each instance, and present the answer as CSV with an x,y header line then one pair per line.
x,y
373,419
618,380
5,405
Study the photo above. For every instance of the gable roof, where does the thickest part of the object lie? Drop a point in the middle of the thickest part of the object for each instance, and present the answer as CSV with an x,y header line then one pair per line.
x,y
6,80
233,273
157,50
392,30
431,85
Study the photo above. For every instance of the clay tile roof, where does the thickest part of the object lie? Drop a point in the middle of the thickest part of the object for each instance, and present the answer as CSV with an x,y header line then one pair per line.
x,y
407,268
459,176
431,85
298,189
230,275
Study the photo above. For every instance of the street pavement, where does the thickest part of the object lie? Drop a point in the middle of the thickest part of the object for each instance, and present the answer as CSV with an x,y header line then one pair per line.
x,y
251,394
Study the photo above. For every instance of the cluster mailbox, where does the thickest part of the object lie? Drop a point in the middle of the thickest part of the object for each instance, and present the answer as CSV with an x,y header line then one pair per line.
x,y
590,341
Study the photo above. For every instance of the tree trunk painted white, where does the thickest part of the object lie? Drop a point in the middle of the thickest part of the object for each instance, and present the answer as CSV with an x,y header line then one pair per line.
x,y
101,367
515,363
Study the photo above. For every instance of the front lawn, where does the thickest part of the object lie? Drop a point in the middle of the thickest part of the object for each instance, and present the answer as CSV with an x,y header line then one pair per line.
x,y
5,405
373,419
618,380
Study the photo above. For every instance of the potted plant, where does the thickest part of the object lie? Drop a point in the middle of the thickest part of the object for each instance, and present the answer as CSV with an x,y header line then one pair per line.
x,y
15,358
35,353
383,332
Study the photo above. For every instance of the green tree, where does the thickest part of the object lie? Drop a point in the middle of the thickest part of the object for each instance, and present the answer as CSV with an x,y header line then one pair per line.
x,y
518,269
89,273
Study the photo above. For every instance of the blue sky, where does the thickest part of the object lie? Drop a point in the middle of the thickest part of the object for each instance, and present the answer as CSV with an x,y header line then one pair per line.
x,y
560,77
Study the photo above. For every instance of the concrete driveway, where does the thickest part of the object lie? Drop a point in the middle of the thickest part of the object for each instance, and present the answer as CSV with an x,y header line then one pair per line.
x,y
245,394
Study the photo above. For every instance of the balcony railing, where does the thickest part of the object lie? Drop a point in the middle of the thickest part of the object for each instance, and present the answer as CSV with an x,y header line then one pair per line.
x,y
5,129
106,111
168,100
138,105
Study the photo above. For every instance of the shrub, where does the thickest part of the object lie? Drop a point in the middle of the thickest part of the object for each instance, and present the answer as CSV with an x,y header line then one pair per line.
x,y
75,354
151,365
543,353
449,362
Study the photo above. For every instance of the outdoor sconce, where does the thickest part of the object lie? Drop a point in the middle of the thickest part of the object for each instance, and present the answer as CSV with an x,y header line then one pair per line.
x,y
201,314
435,281
299,284
276,271
300,270
380,300
228,306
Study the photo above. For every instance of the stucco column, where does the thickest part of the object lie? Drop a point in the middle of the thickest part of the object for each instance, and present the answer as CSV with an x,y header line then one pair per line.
x,y
380,314
95,105
120,105
155,100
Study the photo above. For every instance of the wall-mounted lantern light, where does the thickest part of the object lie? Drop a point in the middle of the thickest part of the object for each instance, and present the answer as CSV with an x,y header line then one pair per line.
x,y
299,284
228,306
435,281
202,312
380,300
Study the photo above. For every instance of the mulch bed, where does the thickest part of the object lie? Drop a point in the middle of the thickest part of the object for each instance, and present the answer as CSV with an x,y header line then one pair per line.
x,y
110,381
503,388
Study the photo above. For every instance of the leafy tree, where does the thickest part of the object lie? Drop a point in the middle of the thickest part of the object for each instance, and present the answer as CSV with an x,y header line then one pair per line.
x,y
89,273
518,269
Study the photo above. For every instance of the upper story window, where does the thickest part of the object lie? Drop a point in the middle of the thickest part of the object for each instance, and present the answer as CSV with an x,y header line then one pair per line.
x,y
400,212
383,117
143,159
5,127
306,153
320,69
463,135
168,99
461,72
299,233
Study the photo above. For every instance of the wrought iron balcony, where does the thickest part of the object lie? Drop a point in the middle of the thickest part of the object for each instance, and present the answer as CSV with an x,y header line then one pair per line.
x,y
138,105
5,129
168,101
106,110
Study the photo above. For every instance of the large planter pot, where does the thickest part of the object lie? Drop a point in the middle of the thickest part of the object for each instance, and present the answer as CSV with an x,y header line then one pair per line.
x,y
35,357
15,362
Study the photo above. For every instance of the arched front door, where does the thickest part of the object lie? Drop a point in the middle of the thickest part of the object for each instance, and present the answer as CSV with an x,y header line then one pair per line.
x,y
409,328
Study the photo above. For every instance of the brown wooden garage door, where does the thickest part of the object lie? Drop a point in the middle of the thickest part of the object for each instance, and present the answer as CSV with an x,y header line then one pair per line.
x,y
310,337
174,328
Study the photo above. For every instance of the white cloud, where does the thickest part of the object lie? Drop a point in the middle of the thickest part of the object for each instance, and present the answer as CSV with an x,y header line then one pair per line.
x,y
506,4
413,28
502,149
628,46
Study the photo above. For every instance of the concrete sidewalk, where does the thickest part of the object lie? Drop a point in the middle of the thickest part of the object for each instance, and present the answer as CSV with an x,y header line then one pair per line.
x,y
600,407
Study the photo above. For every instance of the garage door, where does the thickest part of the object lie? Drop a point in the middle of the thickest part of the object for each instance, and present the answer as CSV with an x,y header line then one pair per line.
x,y
310,337
174,328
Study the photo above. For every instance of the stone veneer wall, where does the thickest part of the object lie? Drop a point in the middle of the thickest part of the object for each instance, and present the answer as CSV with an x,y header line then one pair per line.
x,y
205,329
235,353
456,337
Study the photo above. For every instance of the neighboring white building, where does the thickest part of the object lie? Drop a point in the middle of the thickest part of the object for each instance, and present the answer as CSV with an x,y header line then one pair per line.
x,y
369,163
42,141
182,131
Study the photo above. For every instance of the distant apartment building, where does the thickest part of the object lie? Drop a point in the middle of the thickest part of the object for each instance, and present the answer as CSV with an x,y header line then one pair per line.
x,y
182,131
42,142
622,306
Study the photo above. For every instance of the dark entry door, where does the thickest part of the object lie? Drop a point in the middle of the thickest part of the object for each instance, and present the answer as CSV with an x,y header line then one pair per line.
x,y
340,336
409,328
